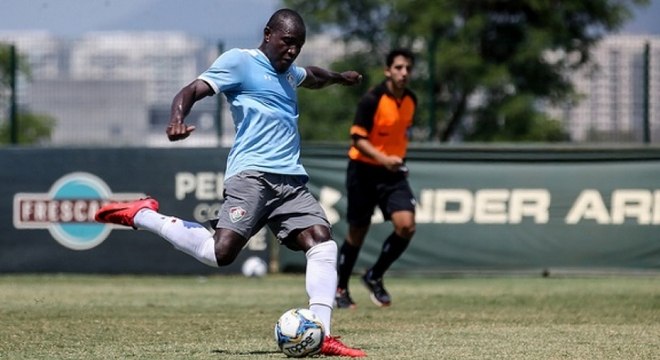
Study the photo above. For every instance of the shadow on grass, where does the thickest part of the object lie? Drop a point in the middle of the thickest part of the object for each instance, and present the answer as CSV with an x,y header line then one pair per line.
x,y
255,352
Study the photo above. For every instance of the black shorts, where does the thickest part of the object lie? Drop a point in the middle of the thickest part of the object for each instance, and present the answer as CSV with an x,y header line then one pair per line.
x,y
369,186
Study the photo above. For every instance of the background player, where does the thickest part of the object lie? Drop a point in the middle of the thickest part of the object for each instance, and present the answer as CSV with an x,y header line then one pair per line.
x,y
265,183
377,176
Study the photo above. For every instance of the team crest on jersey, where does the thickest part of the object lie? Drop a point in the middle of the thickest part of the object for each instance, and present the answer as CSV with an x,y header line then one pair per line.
x,y
236,214
290,79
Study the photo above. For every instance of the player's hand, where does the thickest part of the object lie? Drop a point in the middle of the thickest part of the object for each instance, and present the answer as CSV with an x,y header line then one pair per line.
x,y
179,131
351,78
392,163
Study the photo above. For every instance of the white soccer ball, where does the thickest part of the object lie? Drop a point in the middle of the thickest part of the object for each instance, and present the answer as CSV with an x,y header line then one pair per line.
x,y
254,267
299,333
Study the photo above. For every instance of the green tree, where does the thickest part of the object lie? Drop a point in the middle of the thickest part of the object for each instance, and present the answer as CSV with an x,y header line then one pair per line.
x,y
33,128
487,64
327,115
5,65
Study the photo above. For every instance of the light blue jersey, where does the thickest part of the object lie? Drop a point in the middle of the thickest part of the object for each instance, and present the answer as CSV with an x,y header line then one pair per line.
x,y
264,106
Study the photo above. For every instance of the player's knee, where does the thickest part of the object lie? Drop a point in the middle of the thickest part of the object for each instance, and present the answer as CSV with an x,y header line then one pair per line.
x,y
317,234
312,236
320,233
355,241
228,244
224,255
406,231
326,251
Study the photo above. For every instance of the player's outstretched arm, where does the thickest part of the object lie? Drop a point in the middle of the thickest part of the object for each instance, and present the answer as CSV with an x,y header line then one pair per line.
x,y
318,78
181,106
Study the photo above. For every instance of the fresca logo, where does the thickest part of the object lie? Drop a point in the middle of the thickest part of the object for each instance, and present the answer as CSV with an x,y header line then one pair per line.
x,y
68,209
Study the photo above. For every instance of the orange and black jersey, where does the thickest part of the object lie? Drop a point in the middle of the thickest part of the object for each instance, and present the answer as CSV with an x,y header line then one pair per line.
x,y
383,120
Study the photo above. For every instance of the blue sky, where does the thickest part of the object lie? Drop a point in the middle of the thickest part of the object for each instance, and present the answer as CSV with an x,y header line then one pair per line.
x,y
237,22
646,21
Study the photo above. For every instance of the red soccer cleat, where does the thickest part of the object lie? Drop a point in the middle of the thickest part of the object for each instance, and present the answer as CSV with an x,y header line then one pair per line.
x,y
333,347
122,213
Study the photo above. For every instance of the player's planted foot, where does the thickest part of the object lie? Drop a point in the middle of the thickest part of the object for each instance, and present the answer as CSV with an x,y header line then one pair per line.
x,y
343,299
377,292
122,213
333,347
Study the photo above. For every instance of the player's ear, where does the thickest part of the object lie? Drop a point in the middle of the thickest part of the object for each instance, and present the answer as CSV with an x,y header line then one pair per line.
x,y
267,33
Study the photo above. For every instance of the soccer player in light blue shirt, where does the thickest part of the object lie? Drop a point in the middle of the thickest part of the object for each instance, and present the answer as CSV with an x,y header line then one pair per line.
x,y
265,183
264,107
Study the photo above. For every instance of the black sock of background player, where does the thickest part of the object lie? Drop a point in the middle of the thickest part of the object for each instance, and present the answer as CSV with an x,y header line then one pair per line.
x,y
348,254
393,247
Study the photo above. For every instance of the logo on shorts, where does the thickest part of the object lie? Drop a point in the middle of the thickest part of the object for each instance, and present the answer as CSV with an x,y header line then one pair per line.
x,y
236,213
67,210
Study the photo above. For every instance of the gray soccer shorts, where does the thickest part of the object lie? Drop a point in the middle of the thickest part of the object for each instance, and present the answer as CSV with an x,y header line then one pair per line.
x,y
283,202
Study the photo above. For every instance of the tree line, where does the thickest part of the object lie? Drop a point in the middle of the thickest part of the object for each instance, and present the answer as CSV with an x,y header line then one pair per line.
x,y
485,69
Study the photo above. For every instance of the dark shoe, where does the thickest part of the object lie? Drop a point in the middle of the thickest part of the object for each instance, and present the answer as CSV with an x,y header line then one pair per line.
x,y
122,213
343,299
377,291
333,347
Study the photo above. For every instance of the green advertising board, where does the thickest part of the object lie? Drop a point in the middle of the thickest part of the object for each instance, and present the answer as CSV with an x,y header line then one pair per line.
x,y
515,208
478,208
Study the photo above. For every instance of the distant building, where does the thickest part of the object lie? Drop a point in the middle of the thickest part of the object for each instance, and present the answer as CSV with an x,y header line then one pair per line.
x,y
164,61
44,52
611,108
92,112
115,88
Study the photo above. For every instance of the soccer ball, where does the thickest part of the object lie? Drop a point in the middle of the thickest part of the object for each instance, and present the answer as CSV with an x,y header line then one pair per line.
x,y
299,333
254,267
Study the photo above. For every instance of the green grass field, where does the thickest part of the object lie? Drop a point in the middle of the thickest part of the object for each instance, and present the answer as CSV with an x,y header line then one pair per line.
x,y
227,317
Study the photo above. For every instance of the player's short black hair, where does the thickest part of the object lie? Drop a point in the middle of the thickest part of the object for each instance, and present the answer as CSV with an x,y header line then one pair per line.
x,y
406,53
285,15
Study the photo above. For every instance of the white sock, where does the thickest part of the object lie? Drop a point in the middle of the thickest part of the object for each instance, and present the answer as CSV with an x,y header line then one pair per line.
x,y
321,280
189,237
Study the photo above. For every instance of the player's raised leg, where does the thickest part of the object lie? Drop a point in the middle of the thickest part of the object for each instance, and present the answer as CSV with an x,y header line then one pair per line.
x,y
189,237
